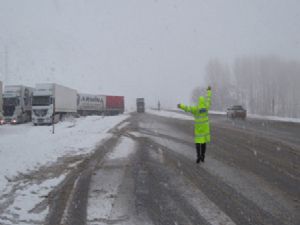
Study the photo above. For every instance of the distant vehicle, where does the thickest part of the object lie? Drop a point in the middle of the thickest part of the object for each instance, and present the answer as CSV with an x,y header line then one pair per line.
x,y
236,111
114,105
17,104
49,99
1,106
140,105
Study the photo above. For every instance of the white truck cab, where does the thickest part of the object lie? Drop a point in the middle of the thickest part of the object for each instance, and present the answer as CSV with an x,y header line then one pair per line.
x,y
52,99
42,104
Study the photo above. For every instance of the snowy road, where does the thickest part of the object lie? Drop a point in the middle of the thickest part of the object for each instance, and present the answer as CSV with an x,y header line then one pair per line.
x,y
145,173
149,176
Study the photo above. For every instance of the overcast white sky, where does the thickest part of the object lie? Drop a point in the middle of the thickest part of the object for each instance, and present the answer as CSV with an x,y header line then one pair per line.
x,y
155,49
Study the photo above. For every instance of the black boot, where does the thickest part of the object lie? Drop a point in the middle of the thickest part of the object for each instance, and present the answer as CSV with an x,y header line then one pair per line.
x,y
202,158
203,150
198,153
198,156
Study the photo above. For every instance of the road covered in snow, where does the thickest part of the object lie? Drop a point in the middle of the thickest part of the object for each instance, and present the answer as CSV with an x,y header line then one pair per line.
x,y
143,171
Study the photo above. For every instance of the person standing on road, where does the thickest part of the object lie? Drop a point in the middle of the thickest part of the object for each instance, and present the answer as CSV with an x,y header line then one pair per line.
x,y
201,126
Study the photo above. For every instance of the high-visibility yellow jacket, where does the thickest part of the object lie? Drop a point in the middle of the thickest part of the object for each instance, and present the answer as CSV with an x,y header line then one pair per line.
x,y
200,112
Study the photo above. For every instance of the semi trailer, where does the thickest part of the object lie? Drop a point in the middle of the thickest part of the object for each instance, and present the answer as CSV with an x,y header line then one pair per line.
x,y
114,105
51,102
17,104
88,104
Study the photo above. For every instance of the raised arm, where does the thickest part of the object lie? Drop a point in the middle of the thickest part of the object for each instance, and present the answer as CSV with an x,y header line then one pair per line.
x,y
208,97
190,109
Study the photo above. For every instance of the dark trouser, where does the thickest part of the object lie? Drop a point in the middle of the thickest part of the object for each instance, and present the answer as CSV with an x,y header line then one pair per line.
x,y
201,149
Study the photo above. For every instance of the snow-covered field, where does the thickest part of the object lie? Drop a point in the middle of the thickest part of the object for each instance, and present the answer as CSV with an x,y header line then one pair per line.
x,y
26,150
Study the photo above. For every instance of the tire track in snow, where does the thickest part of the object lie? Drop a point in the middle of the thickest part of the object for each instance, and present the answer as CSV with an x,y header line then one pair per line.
x,y
195,207
103,205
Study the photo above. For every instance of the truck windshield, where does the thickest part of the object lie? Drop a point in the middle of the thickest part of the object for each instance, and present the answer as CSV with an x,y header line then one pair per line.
x,y
14,101
8,110
41,100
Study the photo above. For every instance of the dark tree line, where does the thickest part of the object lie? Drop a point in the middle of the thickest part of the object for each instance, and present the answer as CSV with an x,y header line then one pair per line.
x,y
263,85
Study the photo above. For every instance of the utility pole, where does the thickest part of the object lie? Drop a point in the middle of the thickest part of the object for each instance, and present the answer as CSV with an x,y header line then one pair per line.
x,y
53,117
5,63
273,106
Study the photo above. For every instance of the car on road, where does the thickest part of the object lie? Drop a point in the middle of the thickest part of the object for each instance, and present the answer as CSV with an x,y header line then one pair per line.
x,y
236,111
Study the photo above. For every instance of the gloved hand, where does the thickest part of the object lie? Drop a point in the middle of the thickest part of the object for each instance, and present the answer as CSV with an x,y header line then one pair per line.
x,y
178,106
209,88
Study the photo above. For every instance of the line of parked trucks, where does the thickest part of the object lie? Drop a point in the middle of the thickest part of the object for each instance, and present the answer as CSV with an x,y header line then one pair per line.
x,y
48,103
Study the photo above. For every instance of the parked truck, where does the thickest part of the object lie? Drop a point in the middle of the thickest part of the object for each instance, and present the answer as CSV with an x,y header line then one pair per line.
x,y
1,105
88,104
140,105
114,105
51,102
17,104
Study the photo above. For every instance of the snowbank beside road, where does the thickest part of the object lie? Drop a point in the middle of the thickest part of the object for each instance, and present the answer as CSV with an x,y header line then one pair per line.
x,y
25,147
31,164
180,115
170,114
275,118
217,112
253,116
